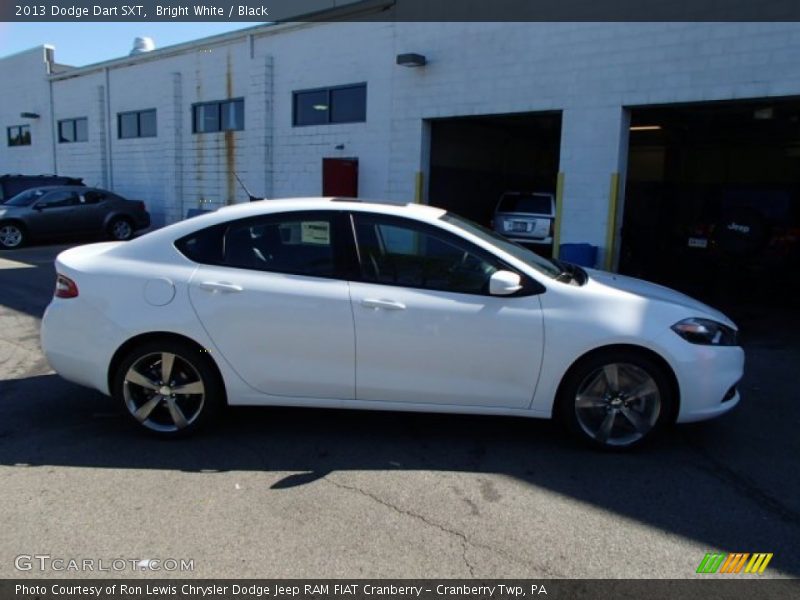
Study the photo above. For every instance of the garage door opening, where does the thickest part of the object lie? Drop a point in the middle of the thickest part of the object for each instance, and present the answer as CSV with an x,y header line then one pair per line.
x,y
712,200
475,160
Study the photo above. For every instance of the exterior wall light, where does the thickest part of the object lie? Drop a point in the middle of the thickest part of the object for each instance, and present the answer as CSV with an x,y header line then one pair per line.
x,y
29,115
411,60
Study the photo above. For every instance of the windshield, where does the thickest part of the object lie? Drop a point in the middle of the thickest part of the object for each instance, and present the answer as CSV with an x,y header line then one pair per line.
x,y
540,204
529,257
25,198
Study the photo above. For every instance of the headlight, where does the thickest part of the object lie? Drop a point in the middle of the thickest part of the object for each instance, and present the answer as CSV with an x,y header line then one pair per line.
x,y
706,332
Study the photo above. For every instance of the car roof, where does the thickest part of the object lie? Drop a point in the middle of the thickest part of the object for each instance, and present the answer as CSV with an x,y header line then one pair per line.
x,y
52,188
243,210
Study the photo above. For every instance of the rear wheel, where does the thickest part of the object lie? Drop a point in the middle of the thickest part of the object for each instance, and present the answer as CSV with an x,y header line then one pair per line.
x,y
616,400
169,387
11,236
120,229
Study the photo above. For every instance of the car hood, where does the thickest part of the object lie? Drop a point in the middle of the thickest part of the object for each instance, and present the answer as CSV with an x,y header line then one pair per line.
x,y
657,292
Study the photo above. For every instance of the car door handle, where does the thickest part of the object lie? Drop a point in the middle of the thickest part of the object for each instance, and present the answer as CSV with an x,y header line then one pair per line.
x,y
387,304
220,286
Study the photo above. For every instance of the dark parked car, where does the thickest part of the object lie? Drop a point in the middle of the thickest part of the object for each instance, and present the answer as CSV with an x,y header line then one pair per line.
x,y
11,185
60,211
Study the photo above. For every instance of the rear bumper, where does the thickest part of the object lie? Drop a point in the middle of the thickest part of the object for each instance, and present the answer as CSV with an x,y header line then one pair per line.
x,y
65,321
531,240
142,221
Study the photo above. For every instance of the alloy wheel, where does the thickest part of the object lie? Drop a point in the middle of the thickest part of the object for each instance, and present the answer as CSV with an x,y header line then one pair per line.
x,y
618,404
10,236
164,392
121,230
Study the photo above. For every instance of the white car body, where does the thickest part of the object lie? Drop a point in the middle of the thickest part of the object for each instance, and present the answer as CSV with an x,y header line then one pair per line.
x,y
291,340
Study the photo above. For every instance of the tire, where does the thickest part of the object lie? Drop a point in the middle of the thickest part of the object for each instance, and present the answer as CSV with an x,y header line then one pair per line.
x,y
12,235
120,229
162,410
616,400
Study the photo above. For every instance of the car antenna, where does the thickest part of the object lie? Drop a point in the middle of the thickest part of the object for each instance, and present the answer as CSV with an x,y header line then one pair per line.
x,y
246,191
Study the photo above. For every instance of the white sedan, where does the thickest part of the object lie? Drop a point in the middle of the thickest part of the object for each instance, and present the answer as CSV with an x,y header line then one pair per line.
x,y
346,304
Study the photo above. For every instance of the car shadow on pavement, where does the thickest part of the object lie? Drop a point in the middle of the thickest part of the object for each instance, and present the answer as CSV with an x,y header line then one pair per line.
x,y
28,278
679,484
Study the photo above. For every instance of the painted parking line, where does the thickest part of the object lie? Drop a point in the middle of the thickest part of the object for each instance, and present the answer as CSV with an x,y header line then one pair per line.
x,y
13,264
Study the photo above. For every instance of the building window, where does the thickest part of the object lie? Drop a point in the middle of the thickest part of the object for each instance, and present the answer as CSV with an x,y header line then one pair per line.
x,y
136,124
342,104
73,130
225,115
19,135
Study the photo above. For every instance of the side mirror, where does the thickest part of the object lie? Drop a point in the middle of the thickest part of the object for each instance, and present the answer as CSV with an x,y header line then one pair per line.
x,y
504,283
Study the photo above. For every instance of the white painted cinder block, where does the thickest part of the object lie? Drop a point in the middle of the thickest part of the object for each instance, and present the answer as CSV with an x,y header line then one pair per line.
x,y
592,72
25,89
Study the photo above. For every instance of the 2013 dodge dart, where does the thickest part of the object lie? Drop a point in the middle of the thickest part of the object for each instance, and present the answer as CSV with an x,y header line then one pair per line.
x,y
347,304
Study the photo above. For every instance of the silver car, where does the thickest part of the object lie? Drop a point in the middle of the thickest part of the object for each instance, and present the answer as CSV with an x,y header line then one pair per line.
x,y
526,217
61,211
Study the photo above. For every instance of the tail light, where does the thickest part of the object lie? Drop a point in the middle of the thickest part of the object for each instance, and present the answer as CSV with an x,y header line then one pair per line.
x,y
140,205
65,287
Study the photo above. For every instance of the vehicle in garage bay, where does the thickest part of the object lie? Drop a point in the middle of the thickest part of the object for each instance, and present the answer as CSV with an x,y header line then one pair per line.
x,y
68,211
527,218
346,304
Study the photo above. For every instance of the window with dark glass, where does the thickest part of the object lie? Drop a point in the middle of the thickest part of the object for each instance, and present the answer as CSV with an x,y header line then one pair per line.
x,y
137,124
341,104
59,199
97,196
19,135
73,130
225,115
300,243
400,252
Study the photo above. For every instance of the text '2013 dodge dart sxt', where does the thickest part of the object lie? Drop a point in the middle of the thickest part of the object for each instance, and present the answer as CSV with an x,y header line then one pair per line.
x,y
346,304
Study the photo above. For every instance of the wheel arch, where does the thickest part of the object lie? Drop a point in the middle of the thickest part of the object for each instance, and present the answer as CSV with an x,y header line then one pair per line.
x,y
15,221
648,352
143,338
117,214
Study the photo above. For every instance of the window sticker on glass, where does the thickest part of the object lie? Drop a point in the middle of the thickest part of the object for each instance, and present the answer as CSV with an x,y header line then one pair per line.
x,y
316,232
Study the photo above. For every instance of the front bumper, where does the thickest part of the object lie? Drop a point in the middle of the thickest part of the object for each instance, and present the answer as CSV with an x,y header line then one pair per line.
x,y
706,375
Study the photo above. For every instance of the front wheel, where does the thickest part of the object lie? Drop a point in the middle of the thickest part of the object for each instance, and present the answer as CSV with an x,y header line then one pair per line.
x,y
616,400
168,387
11,236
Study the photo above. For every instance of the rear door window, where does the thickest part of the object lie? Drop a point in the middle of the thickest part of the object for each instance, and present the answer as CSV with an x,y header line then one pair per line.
x,y
59,199
300,243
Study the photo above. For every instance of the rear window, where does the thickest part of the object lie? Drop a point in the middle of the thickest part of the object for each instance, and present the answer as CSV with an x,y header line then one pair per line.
x,y
203,246
526,203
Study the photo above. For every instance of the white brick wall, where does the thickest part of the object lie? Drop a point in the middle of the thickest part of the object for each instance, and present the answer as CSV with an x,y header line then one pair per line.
x,y
25,89
590,71
77,98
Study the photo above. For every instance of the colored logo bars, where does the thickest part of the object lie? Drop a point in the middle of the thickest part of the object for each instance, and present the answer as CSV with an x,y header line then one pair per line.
x,y
732,563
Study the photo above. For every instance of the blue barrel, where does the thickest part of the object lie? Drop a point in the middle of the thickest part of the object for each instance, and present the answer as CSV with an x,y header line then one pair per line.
x,y
584,255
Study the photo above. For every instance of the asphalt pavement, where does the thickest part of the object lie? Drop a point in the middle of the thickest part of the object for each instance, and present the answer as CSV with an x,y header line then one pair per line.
x,y
312,493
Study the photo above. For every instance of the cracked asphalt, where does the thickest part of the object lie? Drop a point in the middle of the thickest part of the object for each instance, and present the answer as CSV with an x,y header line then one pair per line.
x,y
312,493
